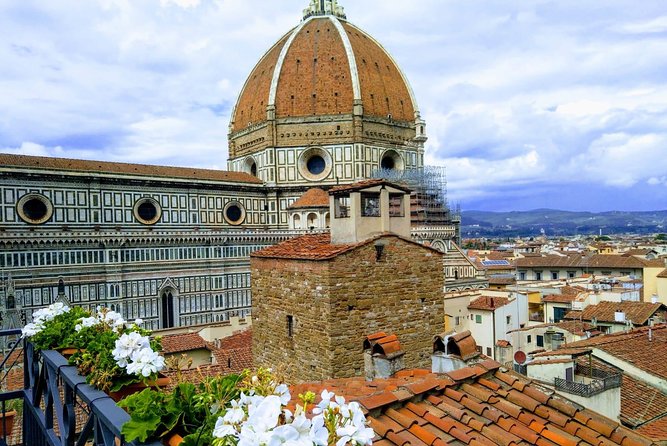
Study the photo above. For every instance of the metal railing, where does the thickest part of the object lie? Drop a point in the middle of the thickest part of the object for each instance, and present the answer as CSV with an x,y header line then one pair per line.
x,y
60,409
599,381
10,397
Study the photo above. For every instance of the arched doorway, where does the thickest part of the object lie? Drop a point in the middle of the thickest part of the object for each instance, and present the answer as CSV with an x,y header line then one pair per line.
x,y
167,318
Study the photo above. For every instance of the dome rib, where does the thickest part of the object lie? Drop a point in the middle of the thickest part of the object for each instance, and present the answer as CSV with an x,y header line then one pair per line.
x,y
354,72
281,59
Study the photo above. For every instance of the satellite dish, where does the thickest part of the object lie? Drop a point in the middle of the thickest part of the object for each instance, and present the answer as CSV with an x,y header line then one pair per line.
x,y
519,357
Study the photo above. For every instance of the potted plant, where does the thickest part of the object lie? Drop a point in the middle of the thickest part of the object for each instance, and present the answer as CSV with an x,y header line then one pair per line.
x,y
187,414
53,327
227,411
116,356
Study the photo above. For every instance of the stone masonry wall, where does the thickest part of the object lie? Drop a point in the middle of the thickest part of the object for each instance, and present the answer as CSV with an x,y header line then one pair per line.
x,y
336,303
401,294
297,288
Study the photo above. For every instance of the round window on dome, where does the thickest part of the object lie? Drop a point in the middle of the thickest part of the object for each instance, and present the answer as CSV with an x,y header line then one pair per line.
x,y
391,160
34,209
147,211
315,164
234,213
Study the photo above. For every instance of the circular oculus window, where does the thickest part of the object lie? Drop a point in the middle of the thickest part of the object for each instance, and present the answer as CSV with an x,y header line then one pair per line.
x,y
147,211
315,164
234,213
34,209
391,160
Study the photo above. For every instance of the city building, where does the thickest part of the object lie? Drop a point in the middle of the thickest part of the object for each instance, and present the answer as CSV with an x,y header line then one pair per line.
x,y
316,297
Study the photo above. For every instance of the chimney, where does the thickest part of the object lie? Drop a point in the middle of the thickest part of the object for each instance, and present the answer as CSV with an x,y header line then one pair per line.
x,y
382,356
654,299
451,351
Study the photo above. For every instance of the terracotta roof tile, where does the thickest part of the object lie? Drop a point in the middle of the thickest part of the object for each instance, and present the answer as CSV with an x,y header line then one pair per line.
x,y
584,261
365,184
312,198
635,347
183,343
492,408
50,165
637,312
488,303
306,247
657,430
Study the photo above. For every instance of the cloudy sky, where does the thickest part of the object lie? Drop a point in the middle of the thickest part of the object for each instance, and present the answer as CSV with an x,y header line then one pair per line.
x,y
529,103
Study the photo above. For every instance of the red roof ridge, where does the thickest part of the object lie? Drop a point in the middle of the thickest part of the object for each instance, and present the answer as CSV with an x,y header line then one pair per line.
x,y
92,166
312,198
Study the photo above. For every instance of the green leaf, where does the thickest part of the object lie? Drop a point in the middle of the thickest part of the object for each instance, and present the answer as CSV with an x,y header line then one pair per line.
x,y
141,427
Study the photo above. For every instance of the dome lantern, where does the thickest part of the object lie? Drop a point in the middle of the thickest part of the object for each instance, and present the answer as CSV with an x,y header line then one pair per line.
x,y
324,7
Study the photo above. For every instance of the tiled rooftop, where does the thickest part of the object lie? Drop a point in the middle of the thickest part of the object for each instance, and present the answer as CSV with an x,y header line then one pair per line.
x,y
488,303
637,312
483,405
579,261
234,353
559,298
635,347
365,184
312,198
104,167
319,247
573,326
306,247
183,343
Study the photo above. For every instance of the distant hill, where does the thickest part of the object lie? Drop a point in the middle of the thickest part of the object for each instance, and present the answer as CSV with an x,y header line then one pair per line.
x,y
554,223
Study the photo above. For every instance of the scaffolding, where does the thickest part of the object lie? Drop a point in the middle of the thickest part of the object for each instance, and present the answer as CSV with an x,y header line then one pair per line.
x,y
428,201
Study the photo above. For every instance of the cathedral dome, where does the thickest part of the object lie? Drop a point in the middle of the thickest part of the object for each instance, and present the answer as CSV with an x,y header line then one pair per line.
x,y
325,68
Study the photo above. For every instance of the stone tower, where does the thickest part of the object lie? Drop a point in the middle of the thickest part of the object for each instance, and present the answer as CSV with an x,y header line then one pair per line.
x,y
317,297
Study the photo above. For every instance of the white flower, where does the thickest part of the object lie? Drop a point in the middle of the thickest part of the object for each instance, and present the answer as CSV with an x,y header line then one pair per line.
x,y
223,430
86,322
282,391
146,362
235,414
113,319
359,435
325,403
31,329
127,345
319,434
138,321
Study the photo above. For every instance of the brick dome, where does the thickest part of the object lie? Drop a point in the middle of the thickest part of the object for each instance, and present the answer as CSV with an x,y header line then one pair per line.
x,y
324,67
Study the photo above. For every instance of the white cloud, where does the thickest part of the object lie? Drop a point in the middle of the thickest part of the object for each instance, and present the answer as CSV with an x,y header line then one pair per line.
x,y
518,94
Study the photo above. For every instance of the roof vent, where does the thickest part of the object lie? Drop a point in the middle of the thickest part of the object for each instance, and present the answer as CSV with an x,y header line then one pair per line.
x,y
383,356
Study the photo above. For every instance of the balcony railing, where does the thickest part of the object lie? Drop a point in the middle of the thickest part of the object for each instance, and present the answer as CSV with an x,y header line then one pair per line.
x,y
59,408
597,381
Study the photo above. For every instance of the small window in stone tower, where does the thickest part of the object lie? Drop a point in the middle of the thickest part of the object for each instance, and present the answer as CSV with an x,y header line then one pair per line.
x,y
370,205
342,206
396,205
290,325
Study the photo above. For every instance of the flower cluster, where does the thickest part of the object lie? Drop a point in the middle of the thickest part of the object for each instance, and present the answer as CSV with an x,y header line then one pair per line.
x,y
263,420
40,317
107,317
133,352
